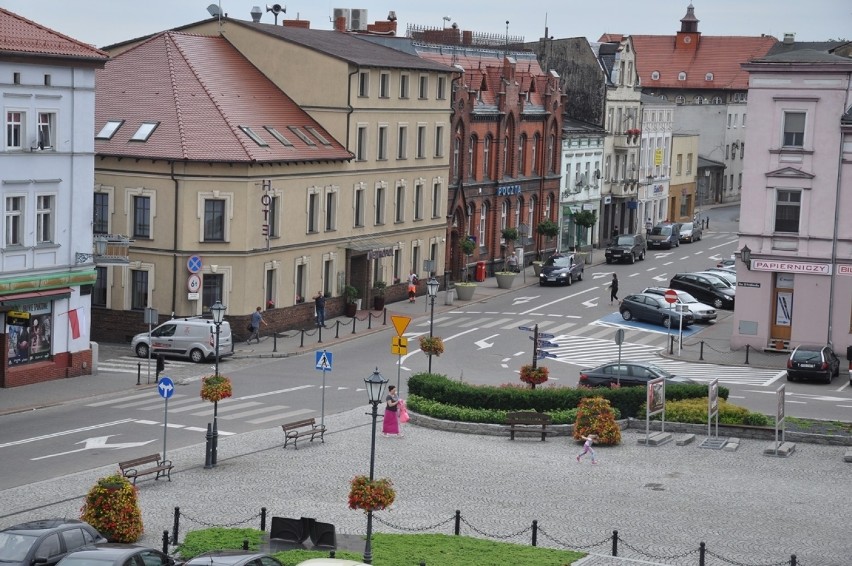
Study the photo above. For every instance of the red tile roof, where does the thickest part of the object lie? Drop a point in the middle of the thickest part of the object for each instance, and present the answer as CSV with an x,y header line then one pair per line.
x,y
201,90
19,35
719,55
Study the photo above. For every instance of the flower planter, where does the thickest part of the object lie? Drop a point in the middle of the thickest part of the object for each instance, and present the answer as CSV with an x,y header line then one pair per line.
x,y
465,292
505,280
378,303
537,267
349,310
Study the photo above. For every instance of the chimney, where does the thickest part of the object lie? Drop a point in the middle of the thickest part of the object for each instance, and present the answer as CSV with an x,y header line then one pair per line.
x,y
340,23
302,24
382,27
789,38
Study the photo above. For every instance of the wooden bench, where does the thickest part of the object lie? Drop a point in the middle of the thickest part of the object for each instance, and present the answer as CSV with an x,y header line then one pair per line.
x,y
297,429
133,468
528,421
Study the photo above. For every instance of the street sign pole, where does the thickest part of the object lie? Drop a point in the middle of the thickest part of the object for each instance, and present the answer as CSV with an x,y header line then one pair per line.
x,y
619,338
165,426
166,388
535,346
323,361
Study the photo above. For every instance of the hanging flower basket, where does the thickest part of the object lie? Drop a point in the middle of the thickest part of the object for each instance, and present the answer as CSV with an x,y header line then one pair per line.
x,y
534,376
215,388
433,346
371,495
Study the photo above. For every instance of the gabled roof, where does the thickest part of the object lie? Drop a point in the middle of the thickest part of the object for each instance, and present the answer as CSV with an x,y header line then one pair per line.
x,y
20,36
720,56
199,90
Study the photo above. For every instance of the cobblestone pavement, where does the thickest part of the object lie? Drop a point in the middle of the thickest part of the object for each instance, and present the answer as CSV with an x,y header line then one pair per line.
x,y
748,508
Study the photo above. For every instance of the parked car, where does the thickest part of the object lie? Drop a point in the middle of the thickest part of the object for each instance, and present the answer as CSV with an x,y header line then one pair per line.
x,y
236,558
727,263
707,288
628,247
118,554
810,361
723,274
561,269
690,232
193,338
664,236
653,308
627,374
701,312
45,541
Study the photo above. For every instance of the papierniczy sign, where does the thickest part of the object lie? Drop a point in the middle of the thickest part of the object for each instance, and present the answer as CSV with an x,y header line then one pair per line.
x,y
791,267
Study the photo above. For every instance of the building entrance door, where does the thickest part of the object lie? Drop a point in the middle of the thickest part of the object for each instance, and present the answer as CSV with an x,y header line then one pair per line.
x,y
782,311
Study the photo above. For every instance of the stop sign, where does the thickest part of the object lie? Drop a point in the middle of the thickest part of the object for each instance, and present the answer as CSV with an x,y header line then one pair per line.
x,y
670,296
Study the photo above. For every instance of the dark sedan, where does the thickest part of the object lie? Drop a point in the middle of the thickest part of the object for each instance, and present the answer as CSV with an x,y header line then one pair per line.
x,y
561,269
655,309
233,558
627,374
810,361
45,541
118,554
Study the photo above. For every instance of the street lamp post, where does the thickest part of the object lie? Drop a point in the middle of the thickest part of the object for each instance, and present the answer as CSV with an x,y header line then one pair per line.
x,y
375,391
432,289
218,310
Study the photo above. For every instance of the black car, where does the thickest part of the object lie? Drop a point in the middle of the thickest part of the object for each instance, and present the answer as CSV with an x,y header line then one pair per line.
x,y
45,541
664,236
233,558
118,554
628,247
561,269
627,374
655,309
810,361
707,288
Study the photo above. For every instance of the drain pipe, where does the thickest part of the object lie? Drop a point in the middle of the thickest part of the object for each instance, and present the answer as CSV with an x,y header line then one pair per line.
x,y
174,240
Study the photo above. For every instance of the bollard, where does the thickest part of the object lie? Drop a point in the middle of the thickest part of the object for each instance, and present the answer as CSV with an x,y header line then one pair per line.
x,y
792,560
302,340
535,532
245,544
385,317
319,332
369,321
702,549
274,342
457,528
747,349
615,543
139,373
208,448
701,352
337,329
263,518
214,445
165,542
176,526
671,345
354,318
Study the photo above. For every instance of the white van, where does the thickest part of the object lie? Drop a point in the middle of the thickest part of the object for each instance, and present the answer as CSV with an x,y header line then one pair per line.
x,y
193,338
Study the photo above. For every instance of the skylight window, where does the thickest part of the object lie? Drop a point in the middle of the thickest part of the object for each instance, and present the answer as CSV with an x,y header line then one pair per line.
x,y
317,135
301,135
278,135
109,130
253,135
144,132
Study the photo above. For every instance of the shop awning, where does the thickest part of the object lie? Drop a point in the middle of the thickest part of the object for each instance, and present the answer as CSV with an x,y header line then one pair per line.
x,y
61,293
369,243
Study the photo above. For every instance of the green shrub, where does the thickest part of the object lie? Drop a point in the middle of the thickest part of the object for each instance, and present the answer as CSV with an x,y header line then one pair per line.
x,y
217,538
694,411
595,416
446,412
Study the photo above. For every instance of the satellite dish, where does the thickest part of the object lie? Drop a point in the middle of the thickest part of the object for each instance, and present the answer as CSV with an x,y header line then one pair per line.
x,y
213,10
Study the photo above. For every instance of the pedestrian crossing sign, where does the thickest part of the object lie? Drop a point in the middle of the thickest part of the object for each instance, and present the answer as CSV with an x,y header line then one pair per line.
x,y
323,361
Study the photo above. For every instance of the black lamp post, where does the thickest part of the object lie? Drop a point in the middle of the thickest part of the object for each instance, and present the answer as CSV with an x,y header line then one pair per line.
x,y
375,391
432,290
218,310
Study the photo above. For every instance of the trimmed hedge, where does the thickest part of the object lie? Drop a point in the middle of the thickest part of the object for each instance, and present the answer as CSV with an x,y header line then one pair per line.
x,y
627,401
446,412
695,411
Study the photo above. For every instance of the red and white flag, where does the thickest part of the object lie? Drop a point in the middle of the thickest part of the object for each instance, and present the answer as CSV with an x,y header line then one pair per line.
x,y
75,323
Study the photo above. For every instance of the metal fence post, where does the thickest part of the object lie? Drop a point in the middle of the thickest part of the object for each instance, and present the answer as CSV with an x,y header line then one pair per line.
x,y
535,532
671,345
319,332
302,339
139,373
369,321
615,543
747,349
457,528
701,352
263,518
337,329
792,560
385,317
176,526
274,342
165,542
702,549
354,318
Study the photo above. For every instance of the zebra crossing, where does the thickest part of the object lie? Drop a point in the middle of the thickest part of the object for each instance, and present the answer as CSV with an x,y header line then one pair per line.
x,y
134,365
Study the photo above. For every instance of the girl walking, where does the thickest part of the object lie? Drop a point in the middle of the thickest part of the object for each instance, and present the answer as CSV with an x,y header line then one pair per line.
x,y
613,289
587,448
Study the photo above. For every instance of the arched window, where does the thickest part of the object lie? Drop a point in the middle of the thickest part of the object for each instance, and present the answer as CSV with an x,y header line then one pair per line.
x,y
519,204
483,214
471,158
552,158
548,207
531,214
506,156
504,214
470,212
521,146
534,153
486,157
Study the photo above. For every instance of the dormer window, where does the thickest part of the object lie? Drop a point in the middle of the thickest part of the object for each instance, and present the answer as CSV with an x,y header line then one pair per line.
x,y
655,75
708,77
681,76
679,99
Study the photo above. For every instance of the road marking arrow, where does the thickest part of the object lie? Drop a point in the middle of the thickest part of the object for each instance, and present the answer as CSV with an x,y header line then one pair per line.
x,y
481,344
661,277
519,300
590,303
95,443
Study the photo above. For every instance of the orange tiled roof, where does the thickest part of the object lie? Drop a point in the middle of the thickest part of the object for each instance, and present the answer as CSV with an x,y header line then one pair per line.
x,y
720,55
201,90
19,35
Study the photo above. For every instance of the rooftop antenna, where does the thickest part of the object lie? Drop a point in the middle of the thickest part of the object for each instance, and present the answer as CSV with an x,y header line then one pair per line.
x,y
506,52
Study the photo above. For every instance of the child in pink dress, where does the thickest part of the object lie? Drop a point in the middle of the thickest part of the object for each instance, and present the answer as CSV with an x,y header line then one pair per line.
x,y
587,448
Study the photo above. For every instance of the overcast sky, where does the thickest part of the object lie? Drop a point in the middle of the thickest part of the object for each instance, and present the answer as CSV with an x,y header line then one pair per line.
x,y
103,22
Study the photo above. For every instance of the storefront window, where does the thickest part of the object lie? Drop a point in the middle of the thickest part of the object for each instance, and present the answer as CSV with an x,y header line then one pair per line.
x,y
30,332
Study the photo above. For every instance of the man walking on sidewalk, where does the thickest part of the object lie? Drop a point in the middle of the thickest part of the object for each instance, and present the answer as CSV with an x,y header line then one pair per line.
x,y
254,326
319,305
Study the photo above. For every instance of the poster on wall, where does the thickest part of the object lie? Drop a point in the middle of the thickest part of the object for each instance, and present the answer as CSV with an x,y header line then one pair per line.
x,y
783,309
30,339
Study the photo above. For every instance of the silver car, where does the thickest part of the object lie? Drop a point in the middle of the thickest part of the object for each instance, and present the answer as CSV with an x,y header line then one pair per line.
x,y
700,311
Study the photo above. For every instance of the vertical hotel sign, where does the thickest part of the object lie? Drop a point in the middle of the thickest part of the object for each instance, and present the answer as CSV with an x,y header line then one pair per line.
x,y
265,204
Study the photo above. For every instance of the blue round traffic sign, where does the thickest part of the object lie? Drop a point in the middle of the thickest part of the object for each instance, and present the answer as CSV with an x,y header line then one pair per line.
x,y
193,264
165,387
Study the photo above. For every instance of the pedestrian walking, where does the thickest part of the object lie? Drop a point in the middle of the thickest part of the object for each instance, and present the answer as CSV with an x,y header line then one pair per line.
x,y
513,262
390,425
412,286
319,306
648,226
254,325
587,448
613,289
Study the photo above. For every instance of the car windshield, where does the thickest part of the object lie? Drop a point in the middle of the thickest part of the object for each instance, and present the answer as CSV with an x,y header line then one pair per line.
x,y
14,546
686,298
659,371
686,227
662,231
561,261
624,241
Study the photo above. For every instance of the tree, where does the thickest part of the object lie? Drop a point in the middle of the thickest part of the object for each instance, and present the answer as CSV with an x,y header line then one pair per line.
x,y
548,229
585,219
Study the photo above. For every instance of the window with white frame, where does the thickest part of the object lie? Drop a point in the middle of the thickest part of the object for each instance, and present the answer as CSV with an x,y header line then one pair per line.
x,y
403,85
471,157
402,142
439,141
361,143
313,211
522,144
424,87
787,210
679,164
505,156
504,213
46,130
470,228
421,141
99,289
442,88
531,214
330,210
14,216
518,207
436,199
397,264
15,121
382,143
534,153
360,196
214,220
212,290
399,204
138,289
689,164
548,204
455,165
384,85
486,156
415,257
418,200
44,219
301,280
101,214
483,216
327,275
794,129
380,205
680,99
141,216
270,287
364,83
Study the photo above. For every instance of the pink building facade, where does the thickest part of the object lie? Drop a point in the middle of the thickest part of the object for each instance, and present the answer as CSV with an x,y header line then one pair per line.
x,y
794,267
